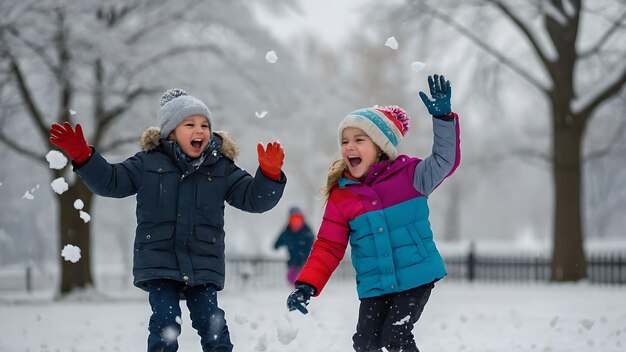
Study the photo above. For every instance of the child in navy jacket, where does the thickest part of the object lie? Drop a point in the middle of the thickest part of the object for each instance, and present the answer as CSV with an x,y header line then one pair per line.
x,y
182,178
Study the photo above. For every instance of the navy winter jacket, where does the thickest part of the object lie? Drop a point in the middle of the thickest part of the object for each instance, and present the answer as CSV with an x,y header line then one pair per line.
x,y
298,244
180,209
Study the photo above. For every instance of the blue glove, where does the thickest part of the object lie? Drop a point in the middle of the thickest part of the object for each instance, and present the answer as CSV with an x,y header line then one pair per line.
x,y
440,92
299,298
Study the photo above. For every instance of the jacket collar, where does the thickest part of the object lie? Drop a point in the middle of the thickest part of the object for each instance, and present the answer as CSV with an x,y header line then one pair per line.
x,y
221,144
377,172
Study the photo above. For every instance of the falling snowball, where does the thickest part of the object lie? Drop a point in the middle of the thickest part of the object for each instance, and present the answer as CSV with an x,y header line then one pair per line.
x,y
28,195
286,333
78,204
85,216
71,253
56,159
417,66
72,112
261,114
59,185
271,57
392,43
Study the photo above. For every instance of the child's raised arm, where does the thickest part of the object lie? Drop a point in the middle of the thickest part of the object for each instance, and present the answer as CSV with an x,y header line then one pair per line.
x,y
446,153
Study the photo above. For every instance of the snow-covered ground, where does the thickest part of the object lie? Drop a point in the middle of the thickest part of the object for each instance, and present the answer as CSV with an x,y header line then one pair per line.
x,y
459,317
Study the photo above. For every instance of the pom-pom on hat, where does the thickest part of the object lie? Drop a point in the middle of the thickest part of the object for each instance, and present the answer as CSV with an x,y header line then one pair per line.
x,y
386,126
176,105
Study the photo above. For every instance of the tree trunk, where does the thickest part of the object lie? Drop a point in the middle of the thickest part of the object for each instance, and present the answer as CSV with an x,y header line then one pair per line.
x,y
568,255
76,232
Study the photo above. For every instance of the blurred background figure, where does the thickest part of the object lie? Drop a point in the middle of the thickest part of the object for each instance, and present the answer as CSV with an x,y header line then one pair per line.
x,y
298,239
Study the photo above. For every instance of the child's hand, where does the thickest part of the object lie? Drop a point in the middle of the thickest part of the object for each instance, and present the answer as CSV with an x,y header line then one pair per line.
x,y
271,159
71,141
440,92
299,298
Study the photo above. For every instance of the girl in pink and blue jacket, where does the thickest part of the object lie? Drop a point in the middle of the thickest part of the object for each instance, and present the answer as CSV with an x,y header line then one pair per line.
x,y
377,202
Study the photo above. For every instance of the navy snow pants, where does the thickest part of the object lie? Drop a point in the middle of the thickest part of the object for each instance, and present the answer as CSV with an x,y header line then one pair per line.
x,y
388,320
206,317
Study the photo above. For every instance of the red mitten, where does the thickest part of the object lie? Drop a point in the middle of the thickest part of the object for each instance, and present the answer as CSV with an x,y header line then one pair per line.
x,y
71,141
271,159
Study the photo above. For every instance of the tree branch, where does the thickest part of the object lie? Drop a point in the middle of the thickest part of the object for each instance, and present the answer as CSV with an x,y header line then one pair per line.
x,y
39,50
170,18
27,96
604,38
522,27
117,143
487,48
175,51
111,114
609,91
27,152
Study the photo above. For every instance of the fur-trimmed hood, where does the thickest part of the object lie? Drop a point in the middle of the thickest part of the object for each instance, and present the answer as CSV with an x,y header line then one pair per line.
x,y
151,140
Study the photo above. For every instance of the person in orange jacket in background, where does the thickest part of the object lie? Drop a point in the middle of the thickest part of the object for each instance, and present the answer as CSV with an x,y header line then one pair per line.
x,y
298,238
181,178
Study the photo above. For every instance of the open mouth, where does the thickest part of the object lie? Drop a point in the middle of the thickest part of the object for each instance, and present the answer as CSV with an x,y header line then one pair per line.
x,y
196,143
354,161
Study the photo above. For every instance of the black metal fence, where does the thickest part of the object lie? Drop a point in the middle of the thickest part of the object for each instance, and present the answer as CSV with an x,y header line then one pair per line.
x,y
602,268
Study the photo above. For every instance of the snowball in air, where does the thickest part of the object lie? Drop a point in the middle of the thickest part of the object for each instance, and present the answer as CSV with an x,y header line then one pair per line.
x,y
59,185
261,114
417,66
392,43
85,216
78,204
71,253
56,159
28,195
72,112
271,56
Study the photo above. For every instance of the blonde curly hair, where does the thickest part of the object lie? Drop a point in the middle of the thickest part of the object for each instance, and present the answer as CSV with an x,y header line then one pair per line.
x,y
338,168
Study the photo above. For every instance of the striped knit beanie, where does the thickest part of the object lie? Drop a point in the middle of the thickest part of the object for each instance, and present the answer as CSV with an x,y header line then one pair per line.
x,y
386,126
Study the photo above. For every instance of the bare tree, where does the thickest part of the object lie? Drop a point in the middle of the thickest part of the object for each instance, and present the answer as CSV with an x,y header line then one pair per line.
x,y
577,68
107,57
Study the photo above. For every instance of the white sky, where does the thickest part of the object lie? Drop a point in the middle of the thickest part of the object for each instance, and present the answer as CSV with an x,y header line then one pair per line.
x,y
328,20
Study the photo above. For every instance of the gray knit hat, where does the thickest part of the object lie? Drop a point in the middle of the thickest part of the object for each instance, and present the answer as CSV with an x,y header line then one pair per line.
x,y
177,105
